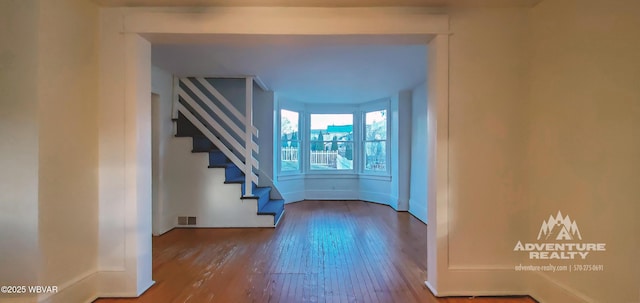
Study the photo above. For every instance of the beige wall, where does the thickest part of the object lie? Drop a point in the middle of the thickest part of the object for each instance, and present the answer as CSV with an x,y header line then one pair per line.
x,y
543,116
48,72
124,248
584,147
488,70
478,209
67,108
19,147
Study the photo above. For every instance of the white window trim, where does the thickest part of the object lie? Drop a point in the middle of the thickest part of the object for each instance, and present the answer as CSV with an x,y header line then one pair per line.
x,y
322,110
294,107
305,110
383,104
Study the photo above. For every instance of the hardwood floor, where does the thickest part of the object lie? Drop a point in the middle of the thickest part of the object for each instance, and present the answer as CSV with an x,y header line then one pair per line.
x,y
323,251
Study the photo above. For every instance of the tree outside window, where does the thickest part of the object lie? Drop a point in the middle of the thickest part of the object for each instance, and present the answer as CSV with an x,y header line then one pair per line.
x,y
375,143
289,153
332,139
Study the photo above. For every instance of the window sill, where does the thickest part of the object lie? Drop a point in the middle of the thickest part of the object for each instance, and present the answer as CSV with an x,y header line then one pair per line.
x,y
334,176
288,177
375,177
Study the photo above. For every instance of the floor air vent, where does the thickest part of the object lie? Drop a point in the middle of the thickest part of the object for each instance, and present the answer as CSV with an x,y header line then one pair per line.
x,y
187,221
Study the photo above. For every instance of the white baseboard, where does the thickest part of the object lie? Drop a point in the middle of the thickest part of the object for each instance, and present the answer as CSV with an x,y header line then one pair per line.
x,y
167,224
432,289
143,289
331,195
165,231
393,202
418,211
403,205
487,293
545,289
290,197
540,286
20,299
482,280
82,288
116,284
377,198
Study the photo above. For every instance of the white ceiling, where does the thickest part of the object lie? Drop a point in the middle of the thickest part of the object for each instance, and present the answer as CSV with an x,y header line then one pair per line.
x,y
307,69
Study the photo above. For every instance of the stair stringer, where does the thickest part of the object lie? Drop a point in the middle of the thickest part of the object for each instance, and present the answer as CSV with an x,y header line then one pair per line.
x,y
265,181
196,190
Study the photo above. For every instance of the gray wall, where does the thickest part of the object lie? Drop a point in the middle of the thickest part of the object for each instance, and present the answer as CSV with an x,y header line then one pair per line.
x,y
234,91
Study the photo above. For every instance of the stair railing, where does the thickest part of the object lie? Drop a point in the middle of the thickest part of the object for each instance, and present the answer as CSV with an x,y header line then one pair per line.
x,y
223,125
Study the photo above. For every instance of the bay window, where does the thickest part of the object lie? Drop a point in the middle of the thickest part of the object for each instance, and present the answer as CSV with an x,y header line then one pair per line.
x,y
338,138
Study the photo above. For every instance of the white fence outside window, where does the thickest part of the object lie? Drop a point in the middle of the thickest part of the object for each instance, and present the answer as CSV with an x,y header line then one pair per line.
x,y
318,157
289,154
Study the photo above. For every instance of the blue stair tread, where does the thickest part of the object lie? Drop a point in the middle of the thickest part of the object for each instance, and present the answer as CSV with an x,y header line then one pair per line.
x,y
217,157
202,144
232,172
273,207
235,179
217,166
260,191
204,150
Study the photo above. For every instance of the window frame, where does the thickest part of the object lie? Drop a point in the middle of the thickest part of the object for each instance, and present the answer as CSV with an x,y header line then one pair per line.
x,y
300,140
352,141
358,112
368,108
334,109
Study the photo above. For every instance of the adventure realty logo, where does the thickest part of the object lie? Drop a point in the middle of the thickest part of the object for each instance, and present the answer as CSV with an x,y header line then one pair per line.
x,y
566,232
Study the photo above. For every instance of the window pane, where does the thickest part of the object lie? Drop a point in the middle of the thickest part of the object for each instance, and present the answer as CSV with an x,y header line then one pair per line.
x,y
375,156
289,124
329,127
331,155
289,152
331,145
376,125
289,155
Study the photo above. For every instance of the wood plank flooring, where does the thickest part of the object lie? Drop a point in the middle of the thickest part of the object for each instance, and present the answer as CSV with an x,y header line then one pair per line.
x,y
323,251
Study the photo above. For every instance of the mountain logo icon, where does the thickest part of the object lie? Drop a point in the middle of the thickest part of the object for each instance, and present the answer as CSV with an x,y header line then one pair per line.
x,y
559,228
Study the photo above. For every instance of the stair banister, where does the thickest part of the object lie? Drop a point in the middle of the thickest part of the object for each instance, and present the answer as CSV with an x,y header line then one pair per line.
x,y
234,111
175,100
247,134
235,139
248,171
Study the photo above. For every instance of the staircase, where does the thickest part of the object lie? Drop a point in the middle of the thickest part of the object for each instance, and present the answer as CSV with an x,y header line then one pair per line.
x,y
202,113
